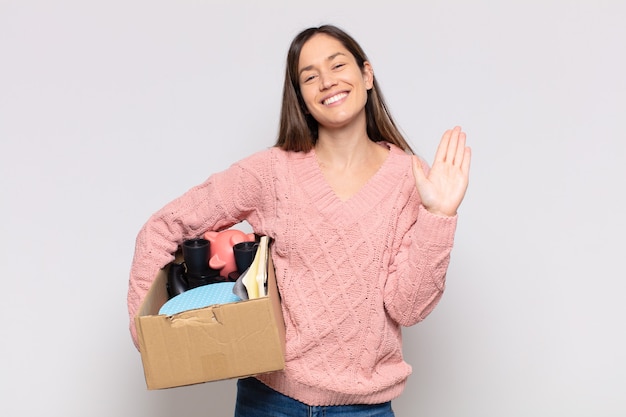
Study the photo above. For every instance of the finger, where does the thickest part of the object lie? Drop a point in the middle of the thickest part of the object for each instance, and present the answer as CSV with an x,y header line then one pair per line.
x,y
465,166
442,149
453,144
460,149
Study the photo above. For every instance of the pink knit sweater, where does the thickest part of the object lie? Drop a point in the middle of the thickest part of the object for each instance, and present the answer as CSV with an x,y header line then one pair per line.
x,y
350,273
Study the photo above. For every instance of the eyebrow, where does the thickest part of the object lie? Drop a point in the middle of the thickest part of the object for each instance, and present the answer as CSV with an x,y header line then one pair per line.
x,y
330,58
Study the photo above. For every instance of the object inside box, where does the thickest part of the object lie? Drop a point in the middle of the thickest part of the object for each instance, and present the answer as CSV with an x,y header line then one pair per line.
x,y
251,284
200,297
236,258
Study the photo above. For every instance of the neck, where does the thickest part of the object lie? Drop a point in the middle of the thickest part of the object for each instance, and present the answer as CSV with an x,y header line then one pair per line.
x,y
343,147
348,161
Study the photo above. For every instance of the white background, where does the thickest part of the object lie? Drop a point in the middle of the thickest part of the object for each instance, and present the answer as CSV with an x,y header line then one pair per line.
x,y
110,109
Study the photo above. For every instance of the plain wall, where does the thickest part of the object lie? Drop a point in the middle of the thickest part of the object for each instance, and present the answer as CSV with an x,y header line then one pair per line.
x,y
110,109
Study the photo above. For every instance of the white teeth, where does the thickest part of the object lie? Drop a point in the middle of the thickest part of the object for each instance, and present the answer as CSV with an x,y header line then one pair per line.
x,y
334,99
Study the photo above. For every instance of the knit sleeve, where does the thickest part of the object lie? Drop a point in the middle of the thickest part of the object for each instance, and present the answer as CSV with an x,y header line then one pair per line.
x,y
224,199
416,280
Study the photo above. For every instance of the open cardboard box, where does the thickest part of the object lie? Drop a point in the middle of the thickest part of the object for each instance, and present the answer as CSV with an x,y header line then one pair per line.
x,y
217,342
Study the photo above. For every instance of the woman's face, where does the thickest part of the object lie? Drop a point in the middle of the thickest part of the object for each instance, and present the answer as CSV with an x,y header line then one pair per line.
x,y
333,86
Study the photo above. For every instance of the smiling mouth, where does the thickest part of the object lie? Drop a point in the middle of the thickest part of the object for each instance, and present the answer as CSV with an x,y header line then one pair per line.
x,y
334,98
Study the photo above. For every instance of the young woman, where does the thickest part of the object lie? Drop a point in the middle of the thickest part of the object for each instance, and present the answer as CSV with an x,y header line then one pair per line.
x,y
362,232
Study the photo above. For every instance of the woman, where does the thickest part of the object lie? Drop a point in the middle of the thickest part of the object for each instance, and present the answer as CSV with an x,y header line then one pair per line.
x,y
362,233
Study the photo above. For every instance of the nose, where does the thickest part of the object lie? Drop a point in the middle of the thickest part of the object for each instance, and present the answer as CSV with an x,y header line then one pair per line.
x,y
327,80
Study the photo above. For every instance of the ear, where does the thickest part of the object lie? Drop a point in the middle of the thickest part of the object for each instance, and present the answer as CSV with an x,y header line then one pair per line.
x,y
368,75
237,238
211,235
216,262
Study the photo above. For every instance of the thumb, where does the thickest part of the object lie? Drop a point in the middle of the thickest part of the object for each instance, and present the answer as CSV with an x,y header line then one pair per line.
x,y
418,171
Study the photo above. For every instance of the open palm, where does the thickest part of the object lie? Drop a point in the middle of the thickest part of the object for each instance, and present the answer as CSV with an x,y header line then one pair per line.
x,y
443,189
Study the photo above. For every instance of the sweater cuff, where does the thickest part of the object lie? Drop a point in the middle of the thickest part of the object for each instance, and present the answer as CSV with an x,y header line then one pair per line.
x,y
435,229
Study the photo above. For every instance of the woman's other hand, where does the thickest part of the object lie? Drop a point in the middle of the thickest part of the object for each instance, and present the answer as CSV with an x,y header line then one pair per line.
x,y
442,191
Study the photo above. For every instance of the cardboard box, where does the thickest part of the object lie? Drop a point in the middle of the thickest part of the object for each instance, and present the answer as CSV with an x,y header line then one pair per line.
x,y
212,343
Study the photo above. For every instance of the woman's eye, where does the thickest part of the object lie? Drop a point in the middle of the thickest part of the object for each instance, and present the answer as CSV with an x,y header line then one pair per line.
x,y
337,66
308,78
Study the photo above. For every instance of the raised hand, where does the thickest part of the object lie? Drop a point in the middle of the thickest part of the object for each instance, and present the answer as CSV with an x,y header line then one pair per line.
x,y
443,189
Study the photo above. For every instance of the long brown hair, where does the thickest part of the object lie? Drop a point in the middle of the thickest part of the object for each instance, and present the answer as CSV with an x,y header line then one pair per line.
x,y
298,130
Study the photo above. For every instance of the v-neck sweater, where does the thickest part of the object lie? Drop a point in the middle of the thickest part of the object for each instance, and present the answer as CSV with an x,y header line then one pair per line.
x,y
350,273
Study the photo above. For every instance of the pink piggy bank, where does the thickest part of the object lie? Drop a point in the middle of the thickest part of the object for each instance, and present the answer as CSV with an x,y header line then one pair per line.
x,y
222,257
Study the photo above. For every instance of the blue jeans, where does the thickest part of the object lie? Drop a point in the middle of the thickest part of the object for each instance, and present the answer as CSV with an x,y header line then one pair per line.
x,y
255,399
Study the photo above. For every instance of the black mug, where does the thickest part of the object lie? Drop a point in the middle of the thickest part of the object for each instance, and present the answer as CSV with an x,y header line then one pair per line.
x,y
244,255
196,253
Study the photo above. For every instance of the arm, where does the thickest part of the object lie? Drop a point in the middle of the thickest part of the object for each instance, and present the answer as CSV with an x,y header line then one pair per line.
x,y
416,279
223,200
417,275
